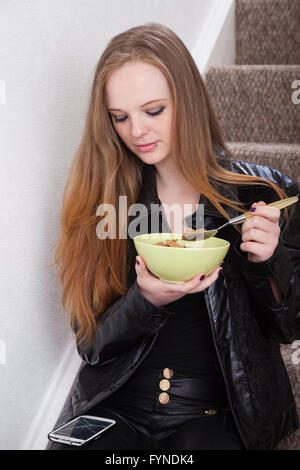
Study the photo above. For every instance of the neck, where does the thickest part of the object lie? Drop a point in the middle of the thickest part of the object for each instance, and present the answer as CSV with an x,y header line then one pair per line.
x,y
168,180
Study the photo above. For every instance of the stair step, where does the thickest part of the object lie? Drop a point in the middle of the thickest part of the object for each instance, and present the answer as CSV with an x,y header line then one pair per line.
x,y
283,157
290,354
267,31
254,102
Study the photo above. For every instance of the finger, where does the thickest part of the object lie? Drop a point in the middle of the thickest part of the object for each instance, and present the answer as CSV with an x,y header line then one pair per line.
x,y
269,212
207,281
141,268
259,236
261,250
259,203
217,270
139,264
188,286
260,223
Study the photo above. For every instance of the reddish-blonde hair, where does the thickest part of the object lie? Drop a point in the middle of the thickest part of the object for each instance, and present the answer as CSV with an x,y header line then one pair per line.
x,y
92,271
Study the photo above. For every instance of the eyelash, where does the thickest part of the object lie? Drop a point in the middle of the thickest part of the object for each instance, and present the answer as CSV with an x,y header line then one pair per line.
x,y
155,113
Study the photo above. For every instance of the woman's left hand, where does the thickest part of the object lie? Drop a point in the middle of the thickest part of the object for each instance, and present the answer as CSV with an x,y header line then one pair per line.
x,y
260,233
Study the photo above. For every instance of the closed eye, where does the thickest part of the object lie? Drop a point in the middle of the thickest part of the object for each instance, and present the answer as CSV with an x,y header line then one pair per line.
x,y
119,118
151,113
156,113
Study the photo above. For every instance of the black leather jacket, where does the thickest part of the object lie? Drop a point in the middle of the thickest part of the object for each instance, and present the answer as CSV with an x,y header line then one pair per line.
x,y
247,324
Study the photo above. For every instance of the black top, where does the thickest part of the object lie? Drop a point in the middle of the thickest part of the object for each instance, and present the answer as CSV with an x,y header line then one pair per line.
x,y
185,345
185,342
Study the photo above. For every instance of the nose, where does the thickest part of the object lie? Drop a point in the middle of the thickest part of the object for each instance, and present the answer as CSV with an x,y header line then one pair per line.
x,y
138,127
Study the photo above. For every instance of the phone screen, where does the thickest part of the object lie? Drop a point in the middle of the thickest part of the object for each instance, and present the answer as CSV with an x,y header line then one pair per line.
x,y
83,427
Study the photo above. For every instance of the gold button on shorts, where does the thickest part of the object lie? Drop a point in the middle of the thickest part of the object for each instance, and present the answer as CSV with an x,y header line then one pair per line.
x,y
163,398
164,385
168,373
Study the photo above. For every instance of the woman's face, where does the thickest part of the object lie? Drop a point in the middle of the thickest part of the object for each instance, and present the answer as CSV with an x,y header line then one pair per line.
x,y
139,101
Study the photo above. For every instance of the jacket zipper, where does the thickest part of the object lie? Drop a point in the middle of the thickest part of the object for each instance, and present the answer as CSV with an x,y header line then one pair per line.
x,y
222,369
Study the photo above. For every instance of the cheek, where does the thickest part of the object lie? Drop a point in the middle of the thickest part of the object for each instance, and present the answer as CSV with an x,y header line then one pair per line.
x,y
121,131
168,125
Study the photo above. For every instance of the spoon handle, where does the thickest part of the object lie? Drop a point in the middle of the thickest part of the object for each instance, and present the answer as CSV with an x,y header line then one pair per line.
x,y
278,204
240,218
284,202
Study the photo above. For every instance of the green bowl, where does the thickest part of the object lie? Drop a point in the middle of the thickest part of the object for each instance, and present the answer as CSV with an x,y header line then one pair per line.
x,y
178,265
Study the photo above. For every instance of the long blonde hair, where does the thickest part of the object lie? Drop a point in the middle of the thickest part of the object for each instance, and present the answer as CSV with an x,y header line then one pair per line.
x,y
93,272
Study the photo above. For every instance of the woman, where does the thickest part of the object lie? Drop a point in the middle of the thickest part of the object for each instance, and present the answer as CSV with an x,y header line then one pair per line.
x,y
190,366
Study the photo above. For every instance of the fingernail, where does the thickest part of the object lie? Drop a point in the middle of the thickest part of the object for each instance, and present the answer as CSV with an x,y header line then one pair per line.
x,y
137,261
220,270
253,209
202,277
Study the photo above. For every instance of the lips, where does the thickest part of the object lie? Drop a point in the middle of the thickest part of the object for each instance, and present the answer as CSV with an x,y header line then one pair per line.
x,y
147,147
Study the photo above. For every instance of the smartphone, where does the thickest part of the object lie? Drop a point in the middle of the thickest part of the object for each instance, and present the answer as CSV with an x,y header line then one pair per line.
x,y
81,430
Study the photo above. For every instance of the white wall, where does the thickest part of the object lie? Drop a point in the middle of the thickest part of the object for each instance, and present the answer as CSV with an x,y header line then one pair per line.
x,y
215,45
48,52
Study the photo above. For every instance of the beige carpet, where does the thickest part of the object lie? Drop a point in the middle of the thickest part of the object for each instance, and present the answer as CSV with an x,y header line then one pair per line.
x,y
260,121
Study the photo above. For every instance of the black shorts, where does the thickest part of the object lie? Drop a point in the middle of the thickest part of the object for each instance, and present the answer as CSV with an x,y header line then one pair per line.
x,y
155,412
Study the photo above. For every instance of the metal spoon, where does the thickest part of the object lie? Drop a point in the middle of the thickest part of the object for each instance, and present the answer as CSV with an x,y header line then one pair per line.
x,y
202,234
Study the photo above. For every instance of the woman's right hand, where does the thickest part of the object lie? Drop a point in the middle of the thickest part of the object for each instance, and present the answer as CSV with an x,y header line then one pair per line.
x,y
160,293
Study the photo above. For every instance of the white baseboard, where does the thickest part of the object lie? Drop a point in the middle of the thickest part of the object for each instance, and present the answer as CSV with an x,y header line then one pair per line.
x,y
54,400
214,36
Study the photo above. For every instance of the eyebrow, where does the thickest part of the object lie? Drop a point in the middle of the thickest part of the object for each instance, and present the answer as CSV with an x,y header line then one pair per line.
x,y
148,102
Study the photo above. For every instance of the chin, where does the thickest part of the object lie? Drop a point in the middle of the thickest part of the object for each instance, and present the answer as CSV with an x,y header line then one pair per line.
x,y
152,159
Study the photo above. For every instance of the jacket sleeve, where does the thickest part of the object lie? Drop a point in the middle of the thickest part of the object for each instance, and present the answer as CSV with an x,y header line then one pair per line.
x,y
279,321
129,319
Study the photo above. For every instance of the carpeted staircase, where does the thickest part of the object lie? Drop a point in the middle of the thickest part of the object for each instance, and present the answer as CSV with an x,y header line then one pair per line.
x,y
257,110
253,99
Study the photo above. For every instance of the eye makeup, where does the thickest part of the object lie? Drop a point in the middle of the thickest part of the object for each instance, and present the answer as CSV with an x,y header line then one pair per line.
x,y
150,113
156,113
